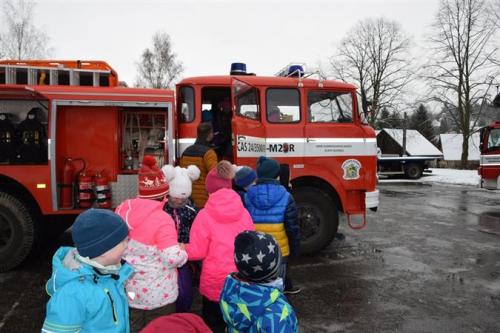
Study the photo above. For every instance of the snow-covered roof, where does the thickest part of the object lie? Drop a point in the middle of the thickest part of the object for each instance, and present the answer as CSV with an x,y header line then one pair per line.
x,y
452,147
416,143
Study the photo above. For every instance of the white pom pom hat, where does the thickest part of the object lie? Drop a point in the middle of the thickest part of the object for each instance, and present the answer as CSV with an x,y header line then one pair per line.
x,y
180,180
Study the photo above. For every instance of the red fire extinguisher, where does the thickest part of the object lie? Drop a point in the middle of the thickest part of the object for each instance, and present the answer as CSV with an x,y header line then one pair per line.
x,y
85,190
102,190
66,195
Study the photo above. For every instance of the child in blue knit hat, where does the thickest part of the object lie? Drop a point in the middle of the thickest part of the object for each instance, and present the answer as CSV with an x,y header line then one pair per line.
x,y
243,179
87,286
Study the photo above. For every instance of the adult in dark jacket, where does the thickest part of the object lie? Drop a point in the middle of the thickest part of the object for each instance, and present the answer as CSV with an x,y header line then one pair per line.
x,y
273,209
204,157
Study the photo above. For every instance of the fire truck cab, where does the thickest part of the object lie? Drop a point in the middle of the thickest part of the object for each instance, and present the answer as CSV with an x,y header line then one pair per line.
x,y
70,139
312,125
489,166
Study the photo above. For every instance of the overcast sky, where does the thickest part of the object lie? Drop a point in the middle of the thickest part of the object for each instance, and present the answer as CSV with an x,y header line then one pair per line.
x,y
208,35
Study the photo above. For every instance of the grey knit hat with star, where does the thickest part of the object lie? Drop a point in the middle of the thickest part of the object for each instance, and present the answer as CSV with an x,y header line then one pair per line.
x,y
257,256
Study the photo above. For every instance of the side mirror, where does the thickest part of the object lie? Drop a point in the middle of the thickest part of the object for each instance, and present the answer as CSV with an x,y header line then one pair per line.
x,y
481,138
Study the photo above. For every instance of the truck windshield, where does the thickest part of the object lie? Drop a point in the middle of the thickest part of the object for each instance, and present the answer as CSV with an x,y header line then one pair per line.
x,y
494,139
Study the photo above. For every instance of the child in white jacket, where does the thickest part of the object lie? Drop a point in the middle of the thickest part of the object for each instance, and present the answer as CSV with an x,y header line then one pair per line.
x,y
153,250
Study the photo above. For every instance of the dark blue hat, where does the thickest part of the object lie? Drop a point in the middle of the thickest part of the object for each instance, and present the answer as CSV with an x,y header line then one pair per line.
x,y
257,256
267,168
206,115
244,177
97,231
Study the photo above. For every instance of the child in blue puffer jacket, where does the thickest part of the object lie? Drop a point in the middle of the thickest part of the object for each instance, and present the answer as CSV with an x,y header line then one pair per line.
x,y
274,212
87,287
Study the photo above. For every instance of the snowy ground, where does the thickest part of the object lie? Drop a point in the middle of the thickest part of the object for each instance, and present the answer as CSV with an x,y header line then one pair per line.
x,y
447,176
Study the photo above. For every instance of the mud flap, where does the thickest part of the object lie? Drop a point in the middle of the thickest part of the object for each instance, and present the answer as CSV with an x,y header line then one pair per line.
x,y
356,216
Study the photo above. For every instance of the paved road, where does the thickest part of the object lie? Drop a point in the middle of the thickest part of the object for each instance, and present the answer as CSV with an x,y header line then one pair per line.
x,y
429,261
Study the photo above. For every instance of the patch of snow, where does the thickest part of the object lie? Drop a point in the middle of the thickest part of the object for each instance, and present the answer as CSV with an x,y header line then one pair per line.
x,y
452,147
453,176
446,176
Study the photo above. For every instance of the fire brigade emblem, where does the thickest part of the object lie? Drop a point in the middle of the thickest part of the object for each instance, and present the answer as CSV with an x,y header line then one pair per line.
x,y
351,169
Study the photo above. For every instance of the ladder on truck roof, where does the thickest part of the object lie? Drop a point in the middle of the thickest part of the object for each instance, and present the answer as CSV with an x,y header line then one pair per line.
x,y
56,72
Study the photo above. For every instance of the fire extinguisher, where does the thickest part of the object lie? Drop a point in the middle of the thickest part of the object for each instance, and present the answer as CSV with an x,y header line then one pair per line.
x,y
85,190
102,190
66,195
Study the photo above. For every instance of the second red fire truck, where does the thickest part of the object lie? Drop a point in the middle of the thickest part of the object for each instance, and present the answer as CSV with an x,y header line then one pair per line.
x,y
489,165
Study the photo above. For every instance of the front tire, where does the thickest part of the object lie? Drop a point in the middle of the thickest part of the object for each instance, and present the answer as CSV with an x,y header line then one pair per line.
x,y
318,218
414,170
17,231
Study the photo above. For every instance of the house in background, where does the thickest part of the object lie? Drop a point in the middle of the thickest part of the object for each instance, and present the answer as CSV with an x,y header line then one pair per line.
x,y
452,150
417,156
390,142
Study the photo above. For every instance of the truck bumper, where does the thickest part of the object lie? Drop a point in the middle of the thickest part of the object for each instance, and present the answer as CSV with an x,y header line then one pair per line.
x,y
491,184
371,200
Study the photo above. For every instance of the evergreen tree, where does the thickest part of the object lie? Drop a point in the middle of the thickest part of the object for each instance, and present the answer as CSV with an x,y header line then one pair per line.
x,y
422,122
383,121
395,120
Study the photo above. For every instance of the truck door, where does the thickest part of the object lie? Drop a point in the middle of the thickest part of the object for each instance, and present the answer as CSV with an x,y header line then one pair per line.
x,y
185,125
335,138
249,139
284,125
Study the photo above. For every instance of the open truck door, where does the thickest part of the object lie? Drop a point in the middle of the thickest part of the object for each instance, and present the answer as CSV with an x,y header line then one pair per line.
x,y
248,137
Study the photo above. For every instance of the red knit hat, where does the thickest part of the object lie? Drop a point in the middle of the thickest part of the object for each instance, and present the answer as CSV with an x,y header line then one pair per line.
x,y
152,182
220,177
177,322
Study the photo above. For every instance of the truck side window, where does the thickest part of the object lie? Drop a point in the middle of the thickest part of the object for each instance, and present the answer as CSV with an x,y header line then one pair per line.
x,y
185,108
23,133
247,101
283,105
494,138
329,106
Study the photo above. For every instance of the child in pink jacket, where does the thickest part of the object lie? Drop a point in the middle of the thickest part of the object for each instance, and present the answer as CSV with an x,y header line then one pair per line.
x,y
153,250
212,239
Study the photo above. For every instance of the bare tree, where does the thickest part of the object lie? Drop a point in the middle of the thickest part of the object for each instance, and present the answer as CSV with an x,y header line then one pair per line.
x,y
159,66
375,56
21,39
462,66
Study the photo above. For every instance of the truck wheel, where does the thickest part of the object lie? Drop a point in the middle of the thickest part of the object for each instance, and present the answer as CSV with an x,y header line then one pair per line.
x,y
414,170
17,232
318,218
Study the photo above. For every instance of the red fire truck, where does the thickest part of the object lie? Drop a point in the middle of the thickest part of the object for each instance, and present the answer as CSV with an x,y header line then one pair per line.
x,y
312,125
489,166
71,139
